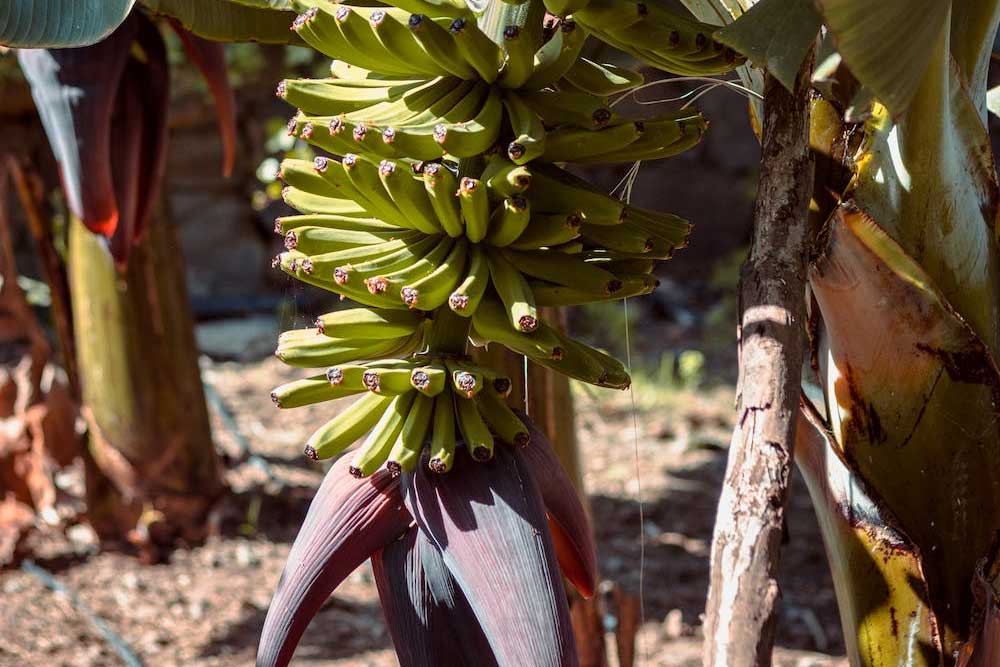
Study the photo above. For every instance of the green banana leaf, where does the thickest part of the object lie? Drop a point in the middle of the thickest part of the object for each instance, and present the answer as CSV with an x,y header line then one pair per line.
x,y
224,21
887,44
775,35
266,4
59,23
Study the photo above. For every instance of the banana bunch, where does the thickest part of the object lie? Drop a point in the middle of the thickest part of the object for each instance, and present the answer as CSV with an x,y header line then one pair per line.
x,y
415,236
441,206
648,31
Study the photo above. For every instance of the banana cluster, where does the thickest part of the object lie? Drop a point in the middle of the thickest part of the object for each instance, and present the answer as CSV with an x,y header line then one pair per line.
x,y
648,31
441,204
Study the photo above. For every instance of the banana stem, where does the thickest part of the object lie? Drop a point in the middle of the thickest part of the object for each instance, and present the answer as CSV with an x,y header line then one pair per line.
x,y
449,334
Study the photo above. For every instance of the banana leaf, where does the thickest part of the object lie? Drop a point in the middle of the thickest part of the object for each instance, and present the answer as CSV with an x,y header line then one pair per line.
x,y
59,23
225,21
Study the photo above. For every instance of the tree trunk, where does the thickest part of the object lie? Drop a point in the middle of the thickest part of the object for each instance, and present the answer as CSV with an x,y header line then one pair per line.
x,y
743,591
153,473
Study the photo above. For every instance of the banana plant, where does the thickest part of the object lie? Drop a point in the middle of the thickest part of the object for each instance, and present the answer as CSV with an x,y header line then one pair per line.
x,y
102,90
441,205
902,454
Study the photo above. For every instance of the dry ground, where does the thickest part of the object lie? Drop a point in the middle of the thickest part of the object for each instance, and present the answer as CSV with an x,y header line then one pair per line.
x,y
206,607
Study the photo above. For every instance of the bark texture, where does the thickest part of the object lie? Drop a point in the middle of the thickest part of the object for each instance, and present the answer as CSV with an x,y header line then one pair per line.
x,y
153,474
743,591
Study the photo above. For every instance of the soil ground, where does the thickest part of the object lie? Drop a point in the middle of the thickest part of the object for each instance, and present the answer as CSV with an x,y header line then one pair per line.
x,y
205,608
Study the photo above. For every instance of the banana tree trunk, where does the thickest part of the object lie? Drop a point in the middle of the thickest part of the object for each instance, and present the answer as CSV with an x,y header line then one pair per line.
x,y
904,469
153,474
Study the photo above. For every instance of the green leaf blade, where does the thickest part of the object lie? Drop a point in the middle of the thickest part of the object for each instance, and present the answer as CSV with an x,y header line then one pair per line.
x,y
224,21
59,23
775,35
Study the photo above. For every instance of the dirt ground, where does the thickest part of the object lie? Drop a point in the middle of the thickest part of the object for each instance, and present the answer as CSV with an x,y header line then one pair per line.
x,y
206,607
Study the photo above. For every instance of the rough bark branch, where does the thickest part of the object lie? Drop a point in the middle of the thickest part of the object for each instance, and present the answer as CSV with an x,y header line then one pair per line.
x,y
743,591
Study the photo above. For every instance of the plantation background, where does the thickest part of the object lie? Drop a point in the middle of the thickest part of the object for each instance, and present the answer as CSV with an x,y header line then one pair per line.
x,y
207,605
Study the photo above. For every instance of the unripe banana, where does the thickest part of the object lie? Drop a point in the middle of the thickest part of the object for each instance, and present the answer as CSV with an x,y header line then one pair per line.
x,y
391,283
429,380
441,185
365,46
492,323
476,48
554,190
501,419
475,136
556,107
405,452
354,274
312,390
442,449
522,37
514,292
565,7
601,80
451,8
659,139
364,175
477,436
387,381
408,193
572,144
466,381
286,224
545,231
557,55
330,97
319,240
440,46
665,226
308,203
375,450
343,430
508,221
433,290
503,178
549,294
475,206
307,348
465,299
587,364
370,323
393,31
529,133
561,269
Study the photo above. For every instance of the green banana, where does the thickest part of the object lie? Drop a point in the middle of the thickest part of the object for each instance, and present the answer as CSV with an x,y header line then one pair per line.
x,y
343,430
376,447
554,189
501,419
437,42
442,447
529,133
466,381
441,185
317,240
312,390
477,436
557,55
522,37
492,323
572,144
393,282
503,178
429,380
564,7
307,348
364,175
545,231
475,206
356,272
601,80
556,107
408,193
329,97
449,8
393,32
434,289
508,221
387,381
465,299
476,48
285,224
550,294
587,364
368,323
661,138
475,136
514,292
309,203
405,452
561,269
